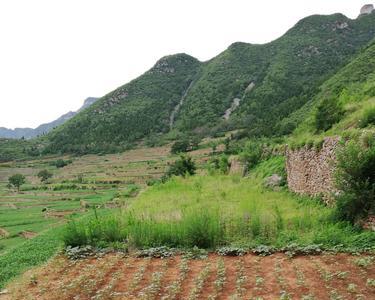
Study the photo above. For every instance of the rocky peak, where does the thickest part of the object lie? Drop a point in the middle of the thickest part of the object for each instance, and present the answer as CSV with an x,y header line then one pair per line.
x,y
367,9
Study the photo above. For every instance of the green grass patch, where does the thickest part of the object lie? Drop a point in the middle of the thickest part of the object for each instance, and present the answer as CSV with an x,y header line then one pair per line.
x,y
213,211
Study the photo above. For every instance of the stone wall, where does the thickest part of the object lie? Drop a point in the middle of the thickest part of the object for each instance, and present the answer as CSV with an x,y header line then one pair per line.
x,y
310,171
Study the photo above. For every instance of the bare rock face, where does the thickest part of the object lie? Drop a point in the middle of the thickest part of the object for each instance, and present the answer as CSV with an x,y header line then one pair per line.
x,y
367,9
232,108
310,171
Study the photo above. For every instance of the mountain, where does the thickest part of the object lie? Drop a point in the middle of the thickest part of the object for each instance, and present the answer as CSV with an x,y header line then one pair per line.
x,y
253,87
142,107
284,74
42,129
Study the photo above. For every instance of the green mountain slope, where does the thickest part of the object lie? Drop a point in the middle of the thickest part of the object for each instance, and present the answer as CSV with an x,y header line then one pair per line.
x,y
286,73
139,108
351,91
268,83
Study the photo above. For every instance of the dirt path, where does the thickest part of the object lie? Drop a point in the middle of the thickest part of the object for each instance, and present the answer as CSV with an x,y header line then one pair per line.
x,y
115,276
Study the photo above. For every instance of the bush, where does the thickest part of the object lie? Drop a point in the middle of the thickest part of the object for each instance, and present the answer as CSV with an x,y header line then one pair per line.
x,y
355,179
181,167
368,118
185,145
252,153
60,163
180,146
328,113
44,175
220,163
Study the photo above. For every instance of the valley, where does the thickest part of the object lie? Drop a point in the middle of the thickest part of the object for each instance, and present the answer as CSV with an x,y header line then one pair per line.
x,y
247,176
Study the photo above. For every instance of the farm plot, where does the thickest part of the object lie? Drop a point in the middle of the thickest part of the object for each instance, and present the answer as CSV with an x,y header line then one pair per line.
x,y
116,276
92,180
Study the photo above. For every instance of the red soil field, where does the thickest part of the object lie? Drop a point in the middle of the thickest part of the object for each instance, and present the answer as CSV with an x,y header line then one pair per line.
x,y
116,276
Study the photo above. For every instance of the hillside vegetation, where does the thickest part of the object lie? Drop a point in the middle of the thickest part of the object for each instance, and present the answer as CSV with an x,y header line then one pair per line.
x,y
270,81
344,105
131,112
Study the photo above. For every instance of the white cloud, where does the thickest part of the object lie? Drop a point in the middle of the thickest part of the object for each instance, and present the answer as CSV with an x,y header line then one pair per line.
x,y
54,54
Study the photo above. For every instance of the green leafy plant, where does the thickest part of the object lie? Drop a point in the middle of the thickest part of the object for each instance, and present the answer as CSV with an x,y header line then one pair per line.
x,y
157,252
231,251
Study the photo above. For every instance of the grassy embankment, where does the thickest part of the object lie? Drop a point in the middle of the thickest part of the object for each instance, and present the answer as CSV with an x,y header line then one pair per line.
x,y
217,210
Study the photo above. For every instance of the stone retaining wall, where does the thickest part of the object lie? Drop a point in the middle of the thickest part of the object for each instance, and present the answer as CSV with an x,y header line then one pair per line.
x,y
310,171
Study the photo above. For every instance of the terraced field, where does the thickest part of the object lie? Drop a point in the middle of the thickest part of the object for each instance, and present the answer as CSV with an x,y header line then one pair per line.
x,y
91,180
116,276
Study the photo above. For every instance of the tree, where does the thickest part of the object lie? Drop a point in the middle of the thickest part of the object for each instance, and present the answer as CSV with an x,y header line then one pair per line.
x,y
44,175
17,180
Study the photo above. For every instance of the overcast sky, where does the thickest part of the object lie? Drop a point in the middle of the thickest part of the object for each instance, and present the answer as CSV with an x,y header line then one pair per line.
x,y
54,54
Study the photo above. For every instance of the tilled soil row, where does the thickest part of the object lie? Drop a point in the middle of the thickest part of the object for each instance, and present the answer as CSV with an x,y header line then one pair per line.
x,y
115,276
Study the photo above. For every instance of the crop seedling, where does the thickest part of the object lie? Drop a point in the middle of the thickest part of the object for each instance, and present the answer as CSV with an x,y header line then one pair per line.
x,y
299,274
138,276
342,274
151,291
175,288
352,288
220,279
370,282
364,262
199,282
240,279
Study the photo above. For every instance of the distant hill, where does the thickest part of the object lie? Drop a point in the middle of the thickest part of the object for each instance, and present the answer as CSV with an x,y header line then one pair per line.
x,y
253,87
29,133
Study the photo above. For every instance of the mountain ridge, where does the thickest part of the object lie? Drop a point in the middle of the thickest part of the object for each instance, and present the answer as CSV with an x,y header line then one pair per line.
x,y
29,133
284,73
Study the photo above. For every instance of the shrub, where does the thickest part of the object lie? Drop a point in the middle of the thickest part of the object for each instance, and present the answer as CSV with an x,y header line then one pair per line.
x,y
44,175
60,163
17,180
368,117
220,163
355,179
180,146
328,113
181,167
185,145
252,153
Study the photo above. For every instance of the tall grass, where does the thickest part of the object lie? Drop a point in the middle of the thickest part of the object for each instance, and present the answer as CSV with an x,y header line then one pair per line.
x,y
214,211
